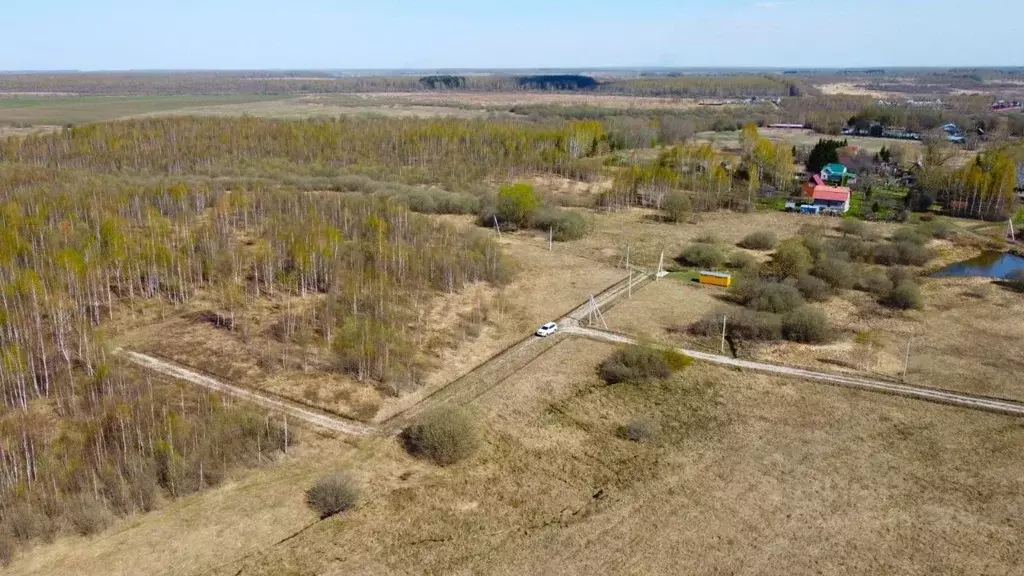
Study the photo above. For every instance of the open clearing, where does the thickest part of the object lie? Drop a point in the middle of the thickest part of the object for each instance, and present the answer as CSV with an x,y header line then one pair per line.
x,y
506,99
250,357
730,141
59,110
751,475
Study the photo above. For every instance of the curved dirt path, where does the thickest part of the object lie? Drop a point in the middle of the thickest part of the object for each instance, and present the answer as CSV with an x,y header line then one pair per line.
x,y
503,365
314,417
917,392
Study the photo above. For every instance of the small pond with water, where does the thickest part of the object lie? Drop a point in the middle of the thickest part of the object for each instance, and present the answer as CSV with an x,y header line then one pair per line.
x,y
989,264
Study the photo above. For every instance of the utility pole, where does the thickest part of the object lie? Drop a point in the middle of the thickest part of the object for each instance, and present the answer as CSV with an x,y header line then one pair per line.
x,y
286,434
629,290
723,334
595,313
906,358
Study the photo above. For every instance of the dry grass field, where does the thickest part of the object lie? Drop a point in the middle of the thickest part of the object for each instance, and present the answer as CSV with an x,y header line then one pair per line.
x,y
294,108
750,475
730,141
59,110
548,284
506,99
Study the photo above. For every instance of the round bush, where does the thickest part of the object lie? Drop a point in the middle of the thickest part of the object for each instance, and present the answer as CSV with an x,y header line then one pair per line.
x,y
677,206
641,430
911,254
808,325
741,325
445,436
702,256
814,289
760,240
564,225
641,364
905,296
875,281
911,235
836,273
940,229
791,258
742,261
770,297
899,275
852,227
886,255
333,494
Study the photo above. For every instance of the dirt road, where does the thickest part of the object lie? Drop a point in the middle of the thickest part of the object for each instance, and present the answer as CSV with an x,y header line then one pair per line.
x,y
496,370
929,394
314,417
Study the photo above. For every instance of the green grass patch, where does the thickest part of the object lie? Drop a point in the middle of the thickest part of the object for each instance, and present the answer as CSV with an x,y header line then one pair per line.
x,y
56,110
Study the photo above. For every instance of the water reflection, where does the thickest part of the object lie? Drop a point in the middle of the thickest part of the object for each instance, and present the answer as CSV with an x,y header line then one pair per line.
x,y
990,264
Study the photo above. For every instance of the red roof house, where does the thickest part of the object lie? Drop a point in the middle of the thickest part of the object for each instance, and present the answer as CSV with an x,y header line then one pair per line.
x,y
829,197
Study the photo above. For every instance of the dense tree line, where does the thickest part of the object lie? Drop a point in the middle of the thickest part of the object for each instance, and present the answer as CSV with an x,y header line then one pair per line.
x,y
983,189
443,150
228,82
102,218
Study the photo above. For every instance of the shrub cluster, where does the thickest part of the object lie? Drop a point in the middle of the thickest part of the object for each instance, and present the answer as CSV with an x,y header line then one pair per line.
x,y
765,296
641,364
813,288
445,436
741,326
760,240
640,430
807,324
519,206
702,256
333,494
744,262
565,225
904,296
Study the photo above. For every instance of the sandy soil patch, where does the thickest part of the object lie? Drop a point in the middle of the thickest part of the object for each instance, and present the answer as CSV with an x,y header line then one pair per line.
x,y
850,89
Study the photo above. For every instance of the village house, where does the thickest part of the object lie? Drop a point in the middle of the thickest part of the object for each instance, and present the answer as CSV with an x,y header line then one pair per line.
x,y
837,174
826,197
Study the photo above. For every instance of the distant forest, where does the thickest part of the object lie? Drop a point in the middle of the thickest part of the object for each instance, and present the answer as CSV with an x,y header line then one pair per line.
x,y
131,83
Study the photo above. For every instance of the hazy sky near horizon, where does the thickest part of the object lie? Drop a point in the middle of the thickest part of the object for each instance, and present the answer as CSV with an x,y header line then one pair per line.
x,y
340,34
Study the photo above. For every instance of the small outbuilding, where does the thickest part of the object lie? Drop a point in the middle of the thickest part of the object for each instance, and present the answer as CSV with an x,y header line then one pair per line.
x,y
716,278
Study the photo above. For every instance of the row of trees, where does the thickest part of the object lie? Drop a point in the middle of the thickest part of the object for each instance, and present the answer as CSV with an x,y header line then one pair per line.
x,y
106,83
442,150
98,219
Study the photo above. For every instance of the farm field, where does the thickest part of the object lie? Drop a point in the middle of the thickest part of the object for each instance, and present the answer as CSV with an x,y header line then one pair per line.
x,y
731,140
745,463
59,110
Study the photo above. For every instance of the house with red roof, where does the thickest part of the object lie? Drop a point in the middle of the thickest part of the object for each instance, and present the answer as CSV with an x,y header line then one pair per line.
x,y
827,197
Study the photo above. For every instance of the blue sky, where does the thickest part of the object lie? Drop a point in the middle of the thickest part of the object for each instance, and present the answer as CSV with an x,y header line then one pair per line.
x,y
304,34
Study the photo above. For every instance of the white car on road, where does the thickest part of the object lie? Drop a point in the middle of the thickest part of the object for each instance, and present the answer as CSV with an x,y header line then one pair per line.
x,y
547,329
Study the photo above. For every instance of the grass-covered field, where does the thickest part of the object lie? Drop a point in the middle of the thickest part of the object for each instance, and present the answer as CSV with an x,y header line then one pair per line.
x,y
57,110
748,474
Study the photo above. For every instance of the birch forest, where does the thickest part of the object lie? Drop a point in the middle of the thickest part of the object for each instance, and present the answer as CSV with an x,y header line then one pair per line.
x,y
97,219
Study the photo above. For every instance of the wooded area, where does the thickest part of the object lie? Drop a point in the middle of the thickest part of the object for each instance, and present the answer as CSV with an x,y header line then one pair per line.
x,y
99,219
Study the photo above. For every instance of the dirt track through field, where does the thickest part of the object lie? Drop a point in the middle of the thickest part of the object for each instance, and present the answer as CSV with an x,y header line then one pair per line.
x,y
930,394
316,418
500,367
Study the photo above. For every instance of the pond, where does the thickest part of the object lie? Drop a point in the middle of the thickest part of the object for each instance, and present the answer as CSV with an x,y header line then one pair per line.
x,y
990,264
